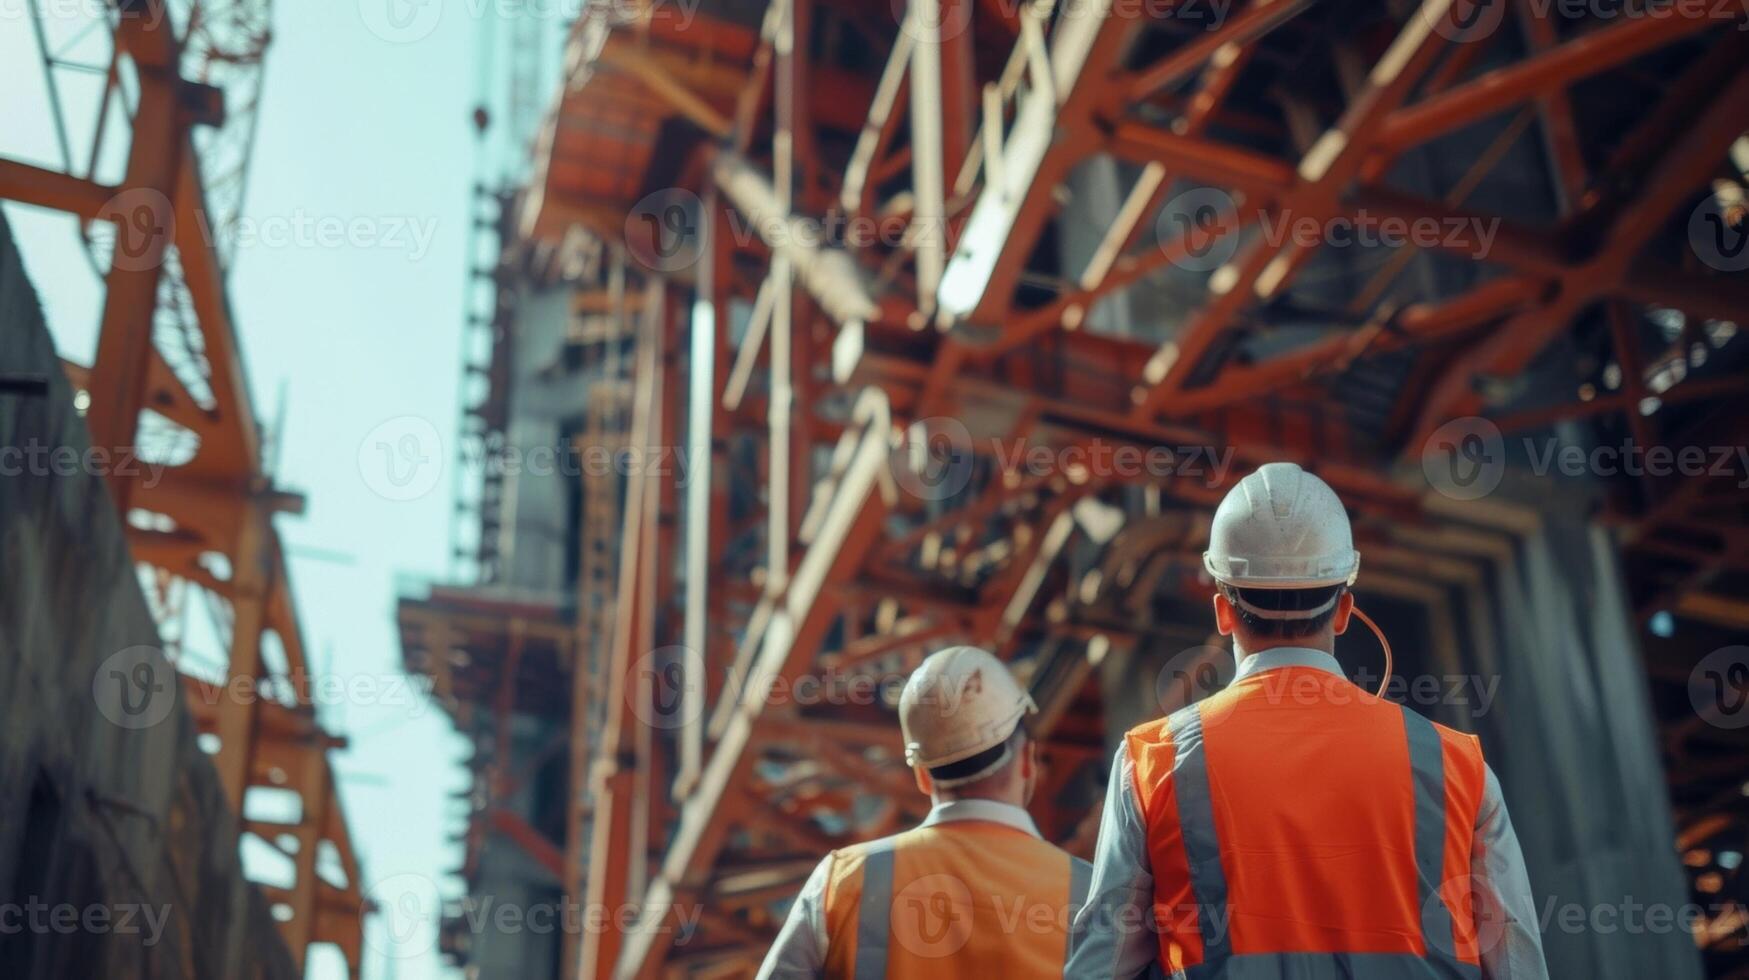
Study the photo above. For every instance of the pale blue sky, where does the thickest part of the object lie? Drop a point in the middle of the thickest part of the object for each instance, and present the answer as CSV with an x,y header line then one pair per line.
x,y
353,126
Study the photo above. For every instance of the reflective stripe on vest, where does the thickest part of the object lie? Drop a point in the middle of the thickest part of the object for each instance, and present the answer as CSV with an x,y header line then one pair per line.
x,y
873,915
1189,802
1196,818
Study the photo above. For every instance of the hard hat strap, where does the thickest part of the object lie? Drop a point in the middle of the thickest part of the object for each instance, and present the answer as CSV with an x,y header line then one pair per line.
x,y
1280,615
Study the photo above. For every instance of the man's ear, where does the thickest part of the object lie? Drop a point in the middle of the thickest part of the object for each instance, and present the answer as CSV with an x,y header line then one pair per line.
x,y
1226,617
1344,610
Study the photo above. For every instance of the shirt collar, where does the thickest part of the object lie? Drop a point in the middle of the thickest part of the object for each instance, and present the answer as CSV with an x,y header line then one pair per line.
x,y
1278,657
992,811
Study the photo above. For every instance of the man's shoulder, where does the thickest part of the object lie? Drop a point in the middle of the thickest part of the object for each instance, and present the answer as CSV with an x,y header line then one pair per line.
x,y
1460,743
1153,732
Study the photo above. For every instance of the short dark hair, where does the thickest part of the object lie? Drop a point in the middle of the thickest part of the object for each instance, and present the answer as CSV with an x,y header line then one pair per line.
x,y
1284,600
1014,745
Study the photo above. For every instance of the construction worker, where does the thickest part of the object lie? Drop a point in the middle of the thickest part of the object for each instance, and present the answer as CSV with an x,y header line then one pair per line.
x,y
974,890
1294,825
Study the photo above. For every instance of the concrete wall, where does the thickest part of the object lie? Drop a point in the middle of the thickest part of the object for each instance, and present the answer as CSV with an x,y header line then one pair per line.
x,y
125,829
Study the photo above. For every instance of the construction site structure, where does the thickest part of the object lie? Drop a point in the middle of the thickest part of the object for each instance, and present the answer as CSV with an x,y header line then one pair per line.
x,y
951,321
176,106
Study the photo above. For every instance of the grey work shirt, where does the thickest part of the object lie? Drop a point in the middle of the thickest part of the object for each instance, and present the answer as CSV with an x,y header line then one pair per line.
x,y
800,948
1123,882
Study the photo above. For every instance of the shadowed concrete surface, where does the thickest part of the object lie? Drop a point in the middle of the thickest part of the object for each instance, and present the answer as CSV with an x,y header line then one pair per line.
x,y
117,852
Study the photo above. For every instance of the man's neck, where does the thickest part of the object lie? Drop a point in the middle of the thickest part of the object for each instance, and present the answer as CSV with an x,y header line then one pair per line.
x,y
1242,647
939,798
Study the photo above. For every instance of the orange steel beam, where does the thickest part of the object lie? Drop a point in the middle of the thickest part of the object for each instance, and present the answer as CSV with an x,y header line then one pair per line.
x,y
54,190
853,512
612,773
533,843
1266,267
1691,158
1503,88
118,376
1048,137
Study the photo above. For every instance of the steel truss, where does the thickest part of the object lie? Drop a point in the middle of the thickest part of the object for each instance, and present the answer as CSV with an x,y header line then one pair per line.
x,y
181,83
851,358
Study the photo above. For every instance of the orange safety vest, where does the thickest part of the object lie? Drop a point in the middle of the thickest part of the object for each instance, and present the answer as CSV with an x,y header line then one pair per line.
x,y
1298,826
966,898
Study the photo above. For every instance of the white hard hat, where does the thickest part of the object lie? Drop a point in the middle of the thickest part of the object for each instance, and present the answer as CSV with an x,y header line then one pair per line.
x,y
1282,528
960,704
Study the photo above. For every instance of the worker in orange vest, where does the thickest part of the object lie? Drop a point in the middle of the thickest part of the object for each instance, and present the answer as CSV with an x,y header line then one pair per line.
x,y
972,892
1294,825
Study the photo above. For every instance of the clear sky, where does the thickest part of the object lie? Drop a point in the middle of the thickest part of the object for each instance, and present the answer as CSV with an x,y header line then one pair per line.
x,y
374,131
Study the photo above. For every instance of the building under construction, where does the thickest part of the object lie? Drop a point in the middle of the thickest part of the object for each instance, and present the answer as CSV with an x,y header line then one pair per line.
x,y
814,337
862,329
